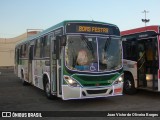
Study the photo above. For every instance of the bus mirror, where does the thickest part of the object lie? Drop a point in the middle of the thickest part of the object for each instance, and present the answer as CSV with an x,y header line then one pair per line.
x,y
63,40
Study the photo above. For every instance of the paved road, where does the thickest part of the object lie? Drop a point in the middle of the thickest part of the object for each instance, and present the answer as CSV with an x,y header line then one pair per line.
x,y
15,97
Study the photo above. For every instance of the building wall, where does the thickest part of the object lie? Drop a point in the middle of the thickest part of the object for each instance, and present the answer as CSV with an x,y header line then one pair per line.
x,y
7,54
7,48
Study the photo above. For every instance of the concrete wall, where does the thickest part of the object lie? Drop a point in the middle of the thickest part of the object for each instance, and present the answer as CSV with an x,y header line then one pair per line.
x,y
7,48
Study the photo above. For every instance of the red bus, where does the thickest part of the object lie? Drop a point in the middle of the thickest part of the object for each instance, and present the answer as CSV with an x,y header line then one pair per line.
x,y
141,55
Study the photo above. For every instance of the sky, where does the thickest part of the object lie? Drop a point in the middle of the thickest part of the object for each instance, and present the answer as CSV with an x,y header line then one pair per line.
x,y
16,16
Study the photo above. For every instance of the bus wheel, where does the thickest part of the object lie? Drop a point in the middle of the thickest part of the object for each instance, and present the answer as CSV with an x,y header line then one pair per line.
x,y
24,83
47,89
128,86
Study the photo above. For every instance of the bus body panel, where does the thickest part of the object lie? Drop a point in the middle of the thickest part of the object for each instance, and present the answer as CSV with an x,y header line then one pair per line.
x,y
19,71
131,66
92,86
37,68
90,92
139,30
24,69
38,73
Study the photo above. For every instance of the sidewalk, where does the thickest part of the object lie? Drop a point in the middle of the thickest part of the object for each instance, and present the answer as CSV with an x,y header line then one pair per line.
x,y
6,70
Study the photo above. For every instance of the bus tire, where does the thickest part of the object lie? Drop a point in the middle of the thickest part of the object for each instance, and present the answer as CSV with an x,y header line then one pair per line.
x,y
128,86
47,88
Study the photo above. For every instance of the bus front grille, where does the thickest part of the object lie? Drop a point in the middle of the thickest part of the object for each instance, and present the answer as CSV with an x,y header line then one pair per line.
x,y
96,91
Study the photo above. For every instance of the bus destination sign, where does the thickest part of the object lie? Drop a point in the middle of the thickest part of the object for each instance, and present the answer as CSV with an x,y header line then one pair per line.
x,y
91,28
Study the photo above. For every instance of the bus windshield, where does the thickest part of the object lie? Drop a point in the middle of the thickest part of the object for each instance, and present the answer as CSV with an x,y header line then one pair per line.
x,y
93,54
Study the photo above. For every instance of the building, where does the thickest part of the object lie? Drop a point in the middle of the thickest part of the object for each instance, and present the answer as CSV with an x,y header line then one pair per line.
x,y
7,48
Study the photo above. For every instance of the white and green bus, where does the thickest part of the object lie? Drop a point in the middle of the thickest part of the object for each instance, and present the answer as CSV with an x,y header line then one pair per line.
x,y
74,59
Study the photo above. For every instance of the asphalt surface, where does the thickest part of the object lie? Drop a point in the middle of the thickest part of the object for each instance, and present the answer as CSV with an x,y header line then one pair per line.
x,y
16,97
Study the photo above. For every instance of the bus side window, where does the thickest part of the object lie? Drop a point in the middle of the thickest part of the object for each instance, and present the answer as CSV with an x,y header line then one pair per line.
x,y
53,47
149,53
37,48
26,51
46,47
41,47
156,49
125,47
129,49
22,51
152,50
17,56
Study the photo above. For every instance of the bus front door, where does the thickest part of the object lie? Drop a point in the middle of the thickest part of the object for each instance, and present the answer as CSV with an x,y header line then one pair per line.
x,y
148,63
57,60
141,64
152,63
55,65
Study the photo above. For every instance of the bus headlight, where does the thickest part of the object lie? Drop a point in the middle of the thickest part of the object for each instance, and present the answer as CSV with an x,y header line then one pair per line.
x,y
70,81
119,80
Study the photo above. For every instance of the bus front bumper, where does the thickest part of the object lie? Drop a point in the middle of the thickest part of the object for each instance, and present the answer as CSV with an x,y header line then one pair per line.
x,y
91,92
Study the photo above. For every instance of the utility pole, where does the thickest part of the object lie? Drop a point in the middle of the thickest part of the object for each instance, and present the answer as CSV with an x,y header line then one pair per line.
x,y
145,20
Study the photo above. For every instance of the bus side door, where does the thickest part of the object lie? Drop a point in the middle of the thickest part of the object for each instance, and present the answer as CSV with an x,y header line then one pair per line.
x,y
54,72
148,63
141,64
30,63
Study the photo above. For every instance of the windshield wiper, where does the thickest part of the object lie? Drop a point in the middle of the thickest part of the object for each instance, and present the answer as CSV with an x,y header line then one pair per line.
x,y
89,45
